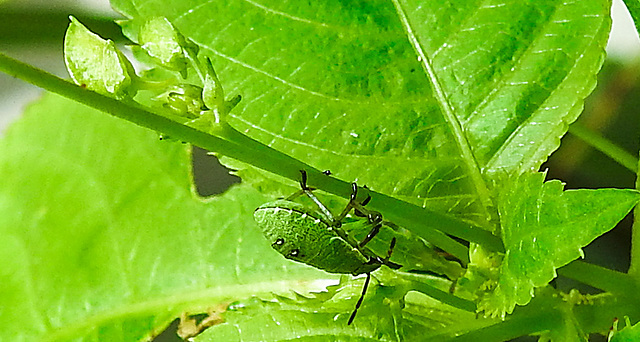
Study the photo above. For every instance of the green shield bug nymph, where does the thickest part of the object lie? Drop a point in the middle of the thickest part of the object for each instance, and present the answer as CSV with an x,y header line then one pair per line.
x,y
315,237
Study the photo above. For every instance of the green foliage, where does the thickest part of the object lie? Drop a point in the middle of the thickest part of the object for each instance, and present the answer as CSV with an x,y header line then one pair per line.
x,y
444,111
331,80
545,230
306,319
103,238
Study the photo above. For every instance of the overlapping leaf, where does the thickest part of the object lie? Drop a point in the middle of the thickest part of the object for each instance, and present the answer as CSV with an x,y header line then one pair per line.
x,y
545,227
437,93
103,240
322,317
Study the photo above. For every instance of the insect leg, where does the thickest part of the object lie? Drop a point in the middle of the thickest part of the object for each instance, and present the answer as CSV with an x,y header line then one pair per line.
x,y
303,180
295,195
385,261
365,202
374,217
303,187
391,246
364,291
352,201
309,192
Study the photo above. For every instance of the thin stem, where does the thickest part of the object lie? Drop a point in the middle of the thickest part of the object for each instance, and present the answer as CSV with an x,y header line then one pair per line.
x,y
599,277
429,225
515,326
548,311
247,150
605,146
400,212
445,297
418,284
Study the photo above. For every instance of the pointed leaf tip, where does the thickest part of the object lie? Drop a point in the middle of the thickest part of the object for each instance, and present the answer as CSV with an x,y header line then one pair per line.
x,y
544,228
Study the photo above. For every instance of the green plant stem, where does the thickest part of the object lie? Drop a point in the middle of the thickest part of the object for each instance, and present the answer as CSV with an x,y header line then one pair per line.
x,y
417,283
550,312
398,211
515,326
544,313
431,226
599,277
444,297
605,146
256,154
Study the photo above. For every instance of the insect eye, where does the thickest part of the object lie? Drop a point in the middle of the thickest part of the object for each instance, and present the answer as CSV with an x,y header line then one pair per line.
x,y
279,242
294,253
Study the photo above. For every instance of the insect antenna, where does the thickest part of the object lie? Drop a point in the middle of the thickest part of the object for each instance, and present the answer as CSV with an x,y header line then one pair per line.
x,y
364,291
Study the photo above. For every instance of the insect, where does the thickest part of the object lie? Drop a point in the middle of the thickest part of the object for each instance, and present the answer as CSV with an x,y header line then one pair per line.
x,y
315,237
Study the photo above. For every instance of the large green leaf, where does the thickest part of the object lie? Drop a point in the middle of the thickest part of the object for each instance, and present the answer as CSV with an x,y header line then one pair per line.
x,y
418,100
102,239
544,228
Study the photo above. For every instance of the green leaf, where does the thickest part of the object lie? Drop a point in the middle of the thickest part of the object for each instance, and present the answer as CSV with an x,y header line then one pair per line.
x,y
514,83
319,318
102,238
212,93
543,228
373,90
96,63
323,317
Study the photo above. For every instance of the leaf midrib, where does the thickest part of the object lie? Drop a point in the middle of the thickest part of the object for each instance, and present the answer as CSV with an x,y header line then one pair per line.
x,y
468,158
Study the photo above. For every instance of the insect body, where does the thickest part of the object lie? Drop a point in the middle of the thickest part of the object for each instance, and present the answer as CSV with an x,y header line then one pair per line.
x,y
315,237
305,236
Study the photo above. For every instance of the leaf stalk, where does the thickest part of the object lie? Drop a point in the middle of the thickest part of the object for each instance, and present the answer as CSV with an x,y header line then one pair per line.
x,y
432,226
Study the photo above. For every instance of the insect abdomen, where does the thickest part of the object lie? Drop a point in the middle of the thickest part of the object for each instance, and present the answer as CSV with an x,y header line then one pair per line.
x,y
301,235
